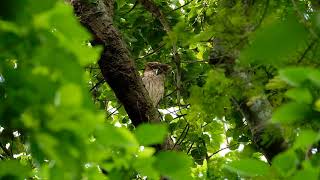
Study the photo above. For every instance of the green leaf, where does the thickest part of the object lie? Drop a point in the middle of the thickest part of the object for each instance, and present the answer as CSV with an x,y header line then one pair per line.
x,y
306,174
291,112
248,167
306,138
70,95
37,7
295,76
175,165
273,43
301,95
285,163
12,168
145,167
109,135
121,3
148,134
71,35
314,76
21,11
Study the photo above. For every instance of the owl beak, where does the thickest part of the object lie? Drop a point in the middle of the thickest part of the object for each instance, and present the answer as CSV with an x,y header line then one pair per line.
x,y
157,70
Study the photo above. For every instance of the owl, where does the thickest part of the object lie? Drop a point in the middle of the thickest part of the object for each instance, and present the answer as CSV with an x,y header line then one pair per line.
x,y
153,80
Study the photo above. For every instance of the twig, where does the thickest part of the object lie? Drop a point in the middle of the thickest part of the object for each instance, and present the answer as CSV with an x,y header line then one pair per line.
x,y
5,150
97,84
311,45
185,128
195,61
169,94
222,150
238,106
256,26
263,15
179,116
180,7
135,4
190,148
114,111
185,135
312,32
156,50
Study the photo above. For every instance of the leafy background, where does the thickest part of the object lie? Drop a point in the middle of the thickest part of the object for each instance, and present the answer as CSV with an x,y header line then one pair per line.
x,y
59,120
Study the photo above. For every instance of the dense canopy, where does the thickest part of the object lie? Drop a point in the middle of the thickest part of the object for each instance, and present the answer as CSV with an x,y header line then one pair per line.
x,y
241,98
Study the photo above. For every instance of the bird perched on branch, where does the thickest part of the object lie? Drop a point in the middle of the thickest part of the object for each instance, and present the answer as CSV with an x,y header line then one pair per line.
x,y
153,80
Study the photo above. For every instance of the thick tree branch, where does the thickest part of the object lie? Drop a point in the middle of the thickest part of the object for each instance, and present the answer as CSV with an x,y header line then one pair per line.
x,y
258,112
117,67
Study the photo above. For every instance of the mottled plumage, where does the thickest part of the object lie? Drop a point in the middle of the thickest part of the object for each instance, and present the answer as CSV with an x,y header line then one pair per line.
x,y
153,79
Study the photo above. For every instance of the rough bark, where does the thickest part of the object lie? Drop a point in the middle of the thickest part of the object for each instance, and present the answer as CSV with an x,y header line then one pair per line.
x,y
115,63
268,137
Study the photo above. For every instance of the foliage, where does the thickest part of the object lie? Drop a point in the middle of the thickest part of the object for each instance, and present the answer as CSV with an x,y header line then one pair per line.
x,y
44,97
231,52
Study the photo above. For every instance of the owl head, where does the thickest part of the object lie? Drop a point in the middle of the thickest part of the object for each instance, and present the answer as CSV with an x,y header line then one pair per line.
x,y
157,68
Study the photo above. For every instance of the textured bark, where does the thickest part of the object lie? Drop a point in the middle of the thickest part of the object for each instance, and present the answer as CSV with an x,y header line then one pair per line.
x,y
268,137
115,63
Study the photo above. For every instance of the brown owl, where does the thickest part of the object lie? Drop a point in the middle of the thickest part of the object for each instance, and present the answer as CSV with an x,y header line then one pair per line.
x,y
153,79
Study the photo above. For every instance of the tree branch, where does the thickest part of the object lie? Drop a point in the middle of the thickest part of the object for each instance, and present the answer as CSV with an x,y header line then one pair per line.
x,y
117,68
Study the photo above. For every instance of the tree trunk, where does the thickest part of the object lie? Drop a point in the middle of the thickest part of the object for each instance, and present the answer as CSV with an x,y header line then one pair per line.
x,y
115,63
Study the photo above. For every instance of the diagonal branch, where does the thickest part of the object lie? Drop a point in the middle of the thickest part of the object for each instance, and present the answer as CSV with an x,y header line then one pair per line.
x,y
117,67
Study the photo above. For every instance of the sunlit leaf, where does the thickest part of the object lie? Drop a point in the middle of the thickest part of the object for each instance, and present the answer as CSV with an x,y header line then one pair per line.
x,y
295,76
310,174
175,165
248,167
148,134
273,43
306,138
145,167
13,169
285,163
70,95
111,136
291,112
302,95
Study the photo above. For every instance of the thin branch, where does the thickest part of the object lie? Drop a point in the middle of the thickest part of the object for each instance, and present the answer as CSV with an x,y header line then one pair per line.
x,y
195,61
97,84
5,150
256,26
302,17
311,45
185,135
135,4
238,106
185,128
156,50
112,113
190,148
222,150
265,11
180,7
180,116
169,94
